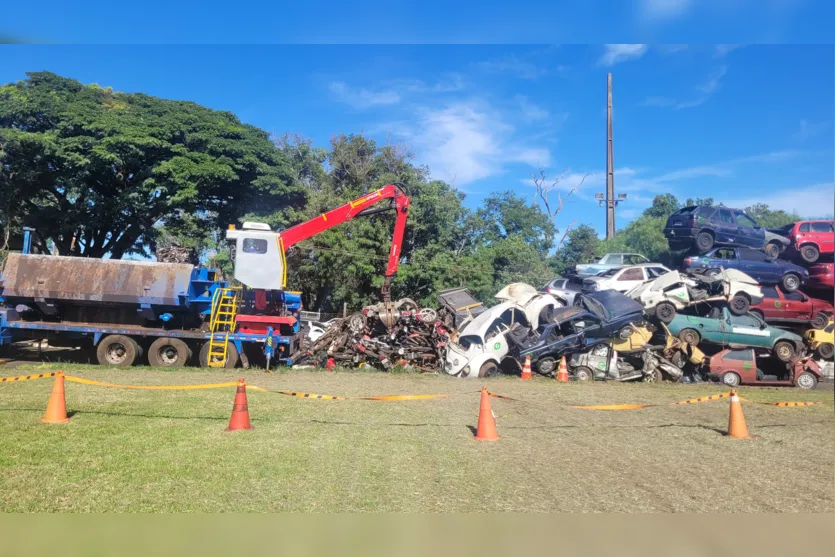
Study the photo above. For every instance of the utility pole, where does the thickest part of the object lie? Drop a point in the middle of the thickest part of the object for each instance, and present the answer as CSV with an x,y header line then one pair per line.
x,y
610,200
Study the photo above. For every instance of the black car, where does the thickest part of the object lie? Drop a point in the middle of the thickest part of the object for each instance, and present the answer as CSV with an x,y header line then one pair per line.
x,y
597,317
703,227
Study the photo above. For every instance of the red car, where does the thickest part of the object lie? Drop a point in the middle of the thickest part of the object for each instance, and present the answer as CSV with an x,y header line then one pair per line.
x,y
779,306
820,276
810,238
739,367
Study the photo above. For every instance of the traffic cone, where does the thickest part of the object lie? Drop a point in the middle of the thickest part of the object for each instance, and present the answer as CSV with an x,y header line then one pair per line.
x,y
56,410
240,410
736,423
526,371
486,421
330,365
562,374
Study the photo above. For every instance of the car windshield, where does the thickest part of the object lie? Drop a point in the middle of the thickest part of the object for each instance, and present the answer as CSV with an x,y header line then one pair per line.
x,y
468,341
595,307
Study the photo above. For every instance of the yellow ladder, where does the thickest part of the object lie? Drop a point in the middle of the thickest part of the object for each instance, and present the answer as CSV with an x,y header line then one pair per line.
x,y
224,309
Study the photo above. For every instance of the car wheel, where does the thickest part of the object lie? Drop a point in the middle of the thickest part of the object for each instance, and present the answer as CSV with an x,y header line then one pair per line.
x,y
820,321
826,351
118,351
809,254
582,373
806,381
690,336
784,351
772,250
704,241
488,369
665,311
739,305
731,379
712,272
654,376
625,333
168,352
546,366
357,322
791,282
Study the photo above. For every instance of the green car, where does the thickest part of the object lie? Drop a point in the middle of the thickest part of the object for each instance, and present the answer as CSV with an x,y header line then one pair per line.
x,y
737,331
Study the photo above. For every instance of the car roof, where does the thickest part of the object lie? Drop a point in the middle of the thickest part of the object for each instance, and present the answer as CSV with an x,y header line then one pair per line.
x,y
485,319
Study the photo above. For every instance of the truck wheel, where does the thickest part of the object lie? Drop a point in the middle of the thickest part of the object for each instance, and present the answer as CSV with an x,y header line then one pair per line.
x,y
809,254
665,311
168,352
704,241
791,282
546,366
820,321
117,350
784,351
826,350
690,336
488,369
739,305
806,381
231,355
772,250
582,373
731,379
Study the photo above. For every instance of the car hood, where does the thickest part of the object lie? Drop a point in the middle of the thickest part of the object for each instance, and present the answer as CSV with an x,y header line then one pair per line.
x,y
518,292
769,236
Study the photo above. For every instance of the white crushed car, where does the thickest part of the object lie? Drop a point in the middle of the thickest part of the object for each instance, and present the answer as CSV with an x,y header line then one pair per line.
x,y
624,279
671,292
480,348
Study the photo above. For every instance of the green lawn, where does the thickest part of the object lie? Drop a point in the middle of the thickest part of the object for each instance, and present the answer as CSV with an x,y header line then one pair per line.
x,y
129,450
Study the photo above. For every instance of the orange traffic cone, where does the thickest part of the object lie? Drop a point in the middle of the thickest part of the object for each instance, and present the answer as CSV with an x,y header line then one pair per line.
x,y
562,374
240,410
526,371
56,410
486,421
736,423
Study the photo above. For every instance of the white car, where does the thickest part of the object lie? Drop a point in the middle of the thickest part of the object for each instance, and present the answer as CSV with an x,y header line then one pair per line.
x,y
479,349
624,279
671,292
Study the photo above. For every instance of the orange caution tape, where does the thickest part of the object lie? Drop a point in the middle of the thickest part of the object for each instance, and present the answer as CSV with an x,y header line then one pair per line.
x,y
309,395
494,395
701,399
785,404
315,396
615,406
159,387
29,377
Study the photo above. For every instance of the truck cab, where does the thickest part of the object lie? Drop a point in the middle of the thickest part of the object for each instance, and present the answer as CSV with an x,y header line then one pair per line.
x,y
258,256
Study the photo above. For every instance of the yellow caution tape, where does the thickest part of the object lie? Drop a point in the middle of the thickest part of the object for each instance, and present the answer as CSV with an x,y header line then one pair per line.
x,y
159,387
315,396
404,397
785,404
29,377
615,406
701,399
494,395
309,395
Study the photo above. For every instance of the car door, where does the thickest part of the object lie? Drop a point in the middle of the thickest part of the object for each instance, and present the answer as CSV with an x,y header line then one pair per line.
x,y
822,233
629,278
756,264
773,304
724,227
749,233
797,305
746,330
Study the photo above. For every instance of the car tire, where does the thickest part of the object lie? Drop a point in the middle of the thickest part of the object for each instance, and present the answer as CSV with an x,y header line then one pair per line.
x,y
783,350
806,381
231,355
791,282
731,379
772,250
704,241
168,352
826,351
820,320
625,333
546,366
758,313
488,369
739,304
117,351
712,272
809,254
690,336
665,312
583,373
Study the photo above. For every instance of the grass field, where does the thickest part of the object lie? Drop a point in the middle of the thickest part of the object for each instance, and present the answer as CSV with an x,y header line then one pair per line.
x,y
131,450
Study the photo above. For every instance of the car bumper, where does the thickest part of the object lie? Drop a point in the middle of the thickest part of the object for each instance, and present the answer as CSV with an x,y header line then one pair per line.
x,y
683,236
756,300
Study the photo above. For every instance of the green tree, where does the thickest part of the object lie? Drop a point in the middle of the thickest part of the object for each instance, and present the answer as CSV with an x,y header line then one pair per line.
x,y
505,214
99,171
771,218
663,206
582,245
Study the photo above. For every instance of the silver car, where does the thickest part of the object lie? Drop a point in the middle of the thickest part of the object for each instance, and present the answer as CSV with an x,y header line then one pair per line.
x,y
564,289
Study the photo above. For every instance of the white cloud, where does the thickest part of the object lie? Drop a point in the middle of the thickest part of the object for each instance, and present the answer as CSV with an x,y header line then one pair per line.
x,y
616,53
519,66
694,172
664,9
809,129
530,110
812,201
661,102
721,50
450,83
714,81
362,98
706,90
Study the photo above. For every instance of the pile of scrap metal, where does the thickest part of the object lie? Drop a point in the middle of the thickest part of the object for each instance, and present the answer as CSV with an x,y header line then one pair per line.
x,y
398,333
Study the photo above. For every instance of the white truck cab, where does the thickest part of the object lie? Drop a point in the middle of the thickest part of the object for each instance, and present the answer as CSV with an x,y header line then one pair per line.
x,y
258,256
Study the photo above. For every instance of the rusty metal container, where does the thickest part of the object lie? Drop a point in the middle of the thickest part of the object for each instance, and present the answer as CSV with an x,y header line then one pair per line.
x,y
91,281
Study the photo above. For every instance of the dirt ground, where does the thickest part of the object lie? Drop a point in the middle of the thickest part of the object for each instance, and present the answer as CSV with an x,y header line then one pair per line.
x,y
138,450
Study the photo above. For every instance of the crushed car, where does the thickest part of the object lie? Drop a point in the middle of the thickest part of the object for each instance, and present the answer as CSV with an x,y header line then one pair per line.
x,y
740,367
672,292
481,347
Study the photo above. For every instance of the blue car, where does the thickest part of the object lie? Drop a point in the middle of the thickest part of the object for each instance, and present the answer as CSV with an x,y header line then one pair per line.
x,y
753,263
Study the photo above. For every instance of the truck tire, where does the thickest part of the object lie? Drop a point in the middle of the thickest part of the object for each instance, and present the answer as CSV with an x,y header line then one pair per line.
x,y
806,381
168,352
231,355
117,351
809,253
791,282
739,304
704,241
783,350
665,311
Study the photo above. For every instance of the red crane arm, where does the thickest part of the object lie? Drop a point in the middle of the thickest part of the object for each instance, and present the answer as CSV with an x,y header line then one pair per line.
x,y
358,207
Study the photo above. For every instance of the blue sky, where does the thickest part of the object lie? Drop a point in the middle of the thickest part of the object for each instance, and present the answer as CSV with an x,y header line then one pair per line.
x,y
742,124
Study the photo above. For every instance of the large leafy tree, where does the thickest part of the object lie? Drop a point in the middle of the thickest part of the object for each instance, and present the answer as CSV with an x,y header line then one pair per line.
x,y
99,171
